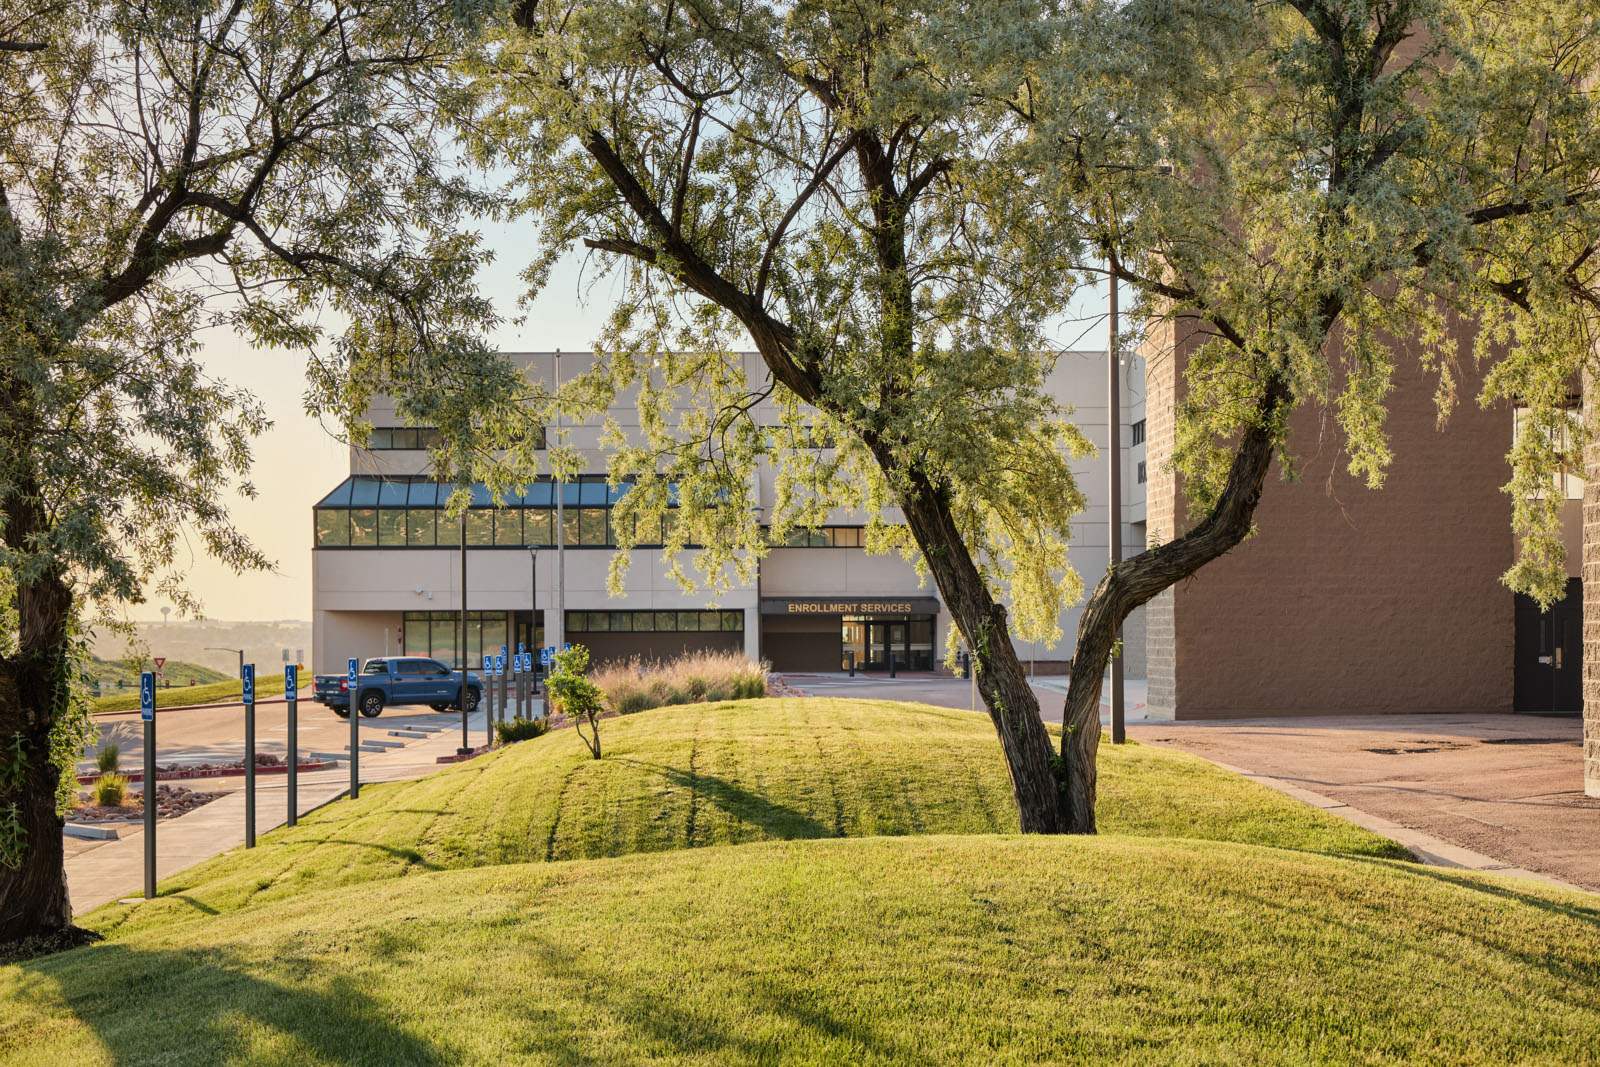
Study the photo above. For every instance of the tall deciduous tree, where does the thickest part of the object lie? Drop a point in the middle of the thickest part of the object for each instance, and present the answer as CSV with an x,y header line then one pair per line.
x,y
1291,186
889,200
820,178
168,165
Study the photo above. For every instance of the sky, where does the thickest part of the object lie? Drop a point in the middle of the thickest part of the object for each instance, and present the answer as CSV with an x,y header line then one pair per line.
x,y
298,461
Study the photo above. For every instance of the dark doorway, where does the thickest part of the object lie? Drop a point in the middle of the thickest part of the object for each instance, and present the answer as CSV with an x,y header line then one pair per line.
x,y
1549,654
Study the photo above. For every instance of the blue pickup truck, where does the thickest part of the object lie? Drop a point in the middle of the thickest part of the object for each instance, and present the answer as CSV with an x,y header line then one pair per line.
x,y
396,681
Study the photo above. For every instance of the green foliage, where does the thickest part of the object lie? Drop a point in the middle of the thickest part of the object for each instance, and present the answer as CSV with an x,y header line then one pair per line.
x,y
575,696
520,729
108,759
824,179
1314,197
109,790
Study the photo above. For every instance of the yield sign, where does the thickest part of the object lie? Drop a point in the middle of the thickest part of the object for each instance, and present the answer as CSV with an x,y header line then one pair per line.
x,y
161,661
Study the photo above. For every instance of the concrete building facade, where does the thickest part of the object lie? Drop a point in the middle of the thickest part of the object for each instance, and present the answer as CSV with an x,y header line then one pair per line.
x,y
387,566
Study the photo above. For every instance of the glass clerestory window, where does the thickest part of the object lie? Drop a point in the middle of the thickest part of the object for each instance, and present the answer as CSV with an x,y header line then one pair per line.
x,y
612,622
365,512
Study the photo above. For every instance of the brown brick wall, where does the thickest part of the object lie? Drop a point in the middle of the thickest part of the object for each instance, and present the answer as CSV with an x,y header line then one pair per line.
x,y
1353,600
1160,500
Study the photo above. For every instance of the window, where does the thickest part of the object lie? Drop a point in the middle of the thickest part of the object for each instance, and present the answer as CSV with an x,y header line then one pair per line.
x,y
437,633
1141,472
391,527
654,621
822,537
333,528
419,527
376,666
363,527
397,512
1137,430
402,438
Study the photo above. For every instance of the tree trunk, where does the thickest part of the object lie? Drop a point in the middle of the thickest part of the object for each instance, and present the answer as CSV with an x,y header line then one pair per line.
x,y
33,888
1136,580
1012,707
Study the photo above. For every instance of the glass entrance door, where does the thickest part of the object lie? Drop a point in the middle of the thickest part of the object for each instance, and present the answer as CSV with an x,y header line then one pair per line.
x,y
883,638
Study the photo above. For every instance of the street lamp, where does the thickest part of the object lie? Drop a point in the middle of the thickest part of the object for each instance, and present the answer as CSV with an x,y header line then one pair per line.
x,y
240,651
533,609
1114,463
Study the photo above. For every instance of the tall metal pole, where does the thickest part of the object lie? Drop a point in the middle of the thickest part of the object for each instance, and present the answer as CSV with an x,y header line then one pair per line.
x,y
1114,472
533,612
355,733
148,712
250,759
291,691
466,745
561,542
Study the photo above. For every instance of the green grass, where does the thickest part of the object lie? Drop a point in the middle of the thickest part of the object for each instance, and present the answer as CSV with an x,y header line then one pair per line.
x,y
268,683
963,950
709,774
536,907
109,672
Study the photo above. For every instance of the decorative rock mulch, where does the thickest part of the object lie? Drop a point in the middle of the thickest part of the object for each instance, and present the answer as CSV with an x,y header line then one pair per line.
x,y
778,686
171,801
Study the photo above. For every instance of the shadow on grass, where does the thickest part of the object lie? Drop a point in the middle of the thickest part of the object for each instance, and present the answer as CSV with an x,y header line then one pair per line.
x,y
775,820
125,995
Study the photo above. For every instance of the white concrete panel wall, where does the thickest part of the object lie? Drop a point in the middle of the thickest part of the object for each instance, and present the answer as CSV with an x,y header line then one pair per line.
x,y
360,585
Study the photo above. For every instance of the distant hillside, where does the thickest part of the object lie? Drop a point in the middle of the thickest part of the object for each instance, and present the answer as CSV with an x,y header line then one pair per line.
x,y
176,672
198,642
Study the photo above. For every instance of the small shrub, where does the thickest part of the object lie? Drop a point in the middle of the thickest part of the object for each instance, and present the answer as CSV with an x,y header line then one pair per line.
x,y
520,729
695,685
109,790
634,702
267,759
576,696
108,759
753,687
720,691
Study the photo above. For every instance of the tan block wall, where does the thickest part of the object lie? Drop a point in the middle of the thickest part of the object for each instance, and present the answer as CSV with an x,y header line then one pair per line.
x,y
1349,600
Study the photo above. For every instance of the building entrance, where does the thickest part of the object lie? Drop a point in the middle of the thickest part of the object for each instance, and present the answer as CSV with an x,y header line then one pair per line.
x,y
872,641
1548,666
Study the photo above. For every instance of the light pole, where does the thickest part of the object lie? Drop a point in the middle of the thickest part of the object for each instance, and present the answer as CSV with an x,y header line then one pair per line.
x,y
533,610
240,651
1114,472
466,745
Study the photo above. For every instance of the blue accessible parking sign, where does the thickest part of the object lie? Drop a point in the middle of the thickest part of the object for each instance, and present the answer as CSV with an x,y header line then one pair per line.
x,y
147,696
248,676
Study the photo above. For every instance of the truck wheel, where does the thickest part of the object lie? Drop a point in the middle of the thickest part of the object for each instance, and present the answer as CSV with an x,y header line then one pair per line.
x,y
343,713
371,703
472,700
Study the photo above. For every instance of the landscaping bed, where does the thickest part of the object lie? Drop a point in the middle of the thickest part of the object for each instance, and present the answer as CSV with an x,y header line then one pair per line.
x,y
171,801
266,763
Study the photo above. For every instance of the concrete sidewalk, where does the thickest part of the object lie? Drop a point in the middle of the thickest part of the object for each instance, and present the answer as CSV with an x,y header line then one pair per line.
x,y
1484,791
105,872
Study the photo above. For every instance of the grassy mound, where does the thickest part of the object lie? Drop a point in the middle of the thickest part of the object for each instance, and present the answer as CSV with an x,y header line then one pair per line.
x,y
708,774
108,672
975,950
269,683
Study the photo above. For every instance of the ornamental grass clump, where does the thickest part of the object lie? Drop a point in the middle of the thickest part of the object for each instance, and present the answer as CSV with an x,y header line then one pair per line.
x,y
110,790
520,729
637,685
108,759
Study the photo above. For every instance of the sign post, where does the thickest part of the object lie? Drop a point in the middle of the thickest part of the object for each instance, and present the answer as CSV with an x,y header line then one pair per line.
x,y
291,693
249,679
147,712
488,682
516,674
355,731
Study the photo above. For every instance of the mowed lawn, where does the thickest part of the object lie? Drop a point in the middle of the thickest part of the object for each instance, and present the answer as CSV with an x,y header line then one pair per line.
x,y
974,949
729,773
534,907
